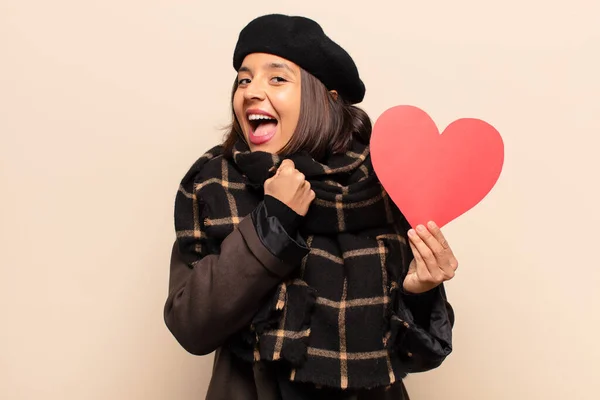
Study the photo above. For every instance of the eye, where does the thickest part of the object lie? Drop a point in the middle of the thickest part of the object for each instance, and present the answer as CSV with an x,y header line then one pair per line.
x,y
244,81
278,79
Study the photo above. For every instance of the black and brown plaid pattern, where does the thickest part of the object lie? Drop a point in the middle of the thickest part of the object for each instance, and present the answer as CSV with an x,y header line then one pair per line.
x,y
336,321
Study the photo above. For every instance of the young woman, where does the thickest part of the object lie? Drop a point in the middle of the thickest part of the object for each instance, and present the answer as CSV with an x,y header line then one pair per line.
x,y
291,262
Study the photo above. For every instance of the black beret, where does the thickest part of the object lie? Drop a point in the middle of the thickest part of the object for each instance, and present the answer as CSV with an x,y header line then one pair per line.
x,y
303,42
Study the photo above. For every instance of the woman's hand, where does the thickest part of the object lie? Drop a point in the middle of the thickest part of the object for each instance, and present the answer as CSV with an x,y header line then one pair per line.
x,y
289,186
433,261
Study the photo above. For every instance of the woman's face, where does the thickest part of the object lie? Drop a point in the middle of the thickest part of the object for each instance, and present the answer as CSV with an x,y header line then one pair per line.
x,y
267,101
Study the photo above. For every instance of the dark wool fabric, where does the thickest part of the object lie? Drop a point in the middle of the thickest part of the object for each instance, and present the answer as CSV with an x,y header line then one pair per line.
x,y
302,41
339,320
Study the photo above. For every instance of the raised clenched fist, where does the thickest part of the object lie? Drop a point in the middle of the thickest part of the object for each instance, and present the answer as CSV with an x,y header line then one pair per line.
x,y
290,186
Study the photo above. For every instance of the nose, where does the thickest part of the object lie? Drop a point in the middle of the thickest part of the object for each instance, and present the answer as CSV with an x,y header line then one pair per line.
x,y
254,91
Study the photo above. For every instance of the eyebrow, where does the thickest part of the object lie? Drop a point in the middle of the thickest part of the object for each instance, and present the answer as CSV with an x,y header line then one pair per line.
x,y
273,65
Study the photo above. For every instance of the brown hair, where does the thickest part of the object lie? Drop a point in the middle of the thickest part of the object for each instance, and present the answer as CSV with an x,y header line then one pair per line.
x,y
326,125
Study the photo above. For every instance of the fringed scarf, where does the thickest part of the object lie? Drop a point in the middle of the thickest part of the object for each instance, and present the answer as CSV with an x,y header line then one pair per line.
x,y
339,320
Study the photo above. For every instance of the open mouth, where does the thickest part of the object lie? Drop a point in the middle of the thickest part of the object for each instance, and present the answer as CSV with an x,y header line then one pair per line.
x,y
262,127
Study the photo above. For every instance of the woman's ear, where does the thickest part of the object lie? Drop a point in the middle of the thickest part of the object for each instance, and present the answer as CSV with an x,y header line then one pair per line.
x,y
334,94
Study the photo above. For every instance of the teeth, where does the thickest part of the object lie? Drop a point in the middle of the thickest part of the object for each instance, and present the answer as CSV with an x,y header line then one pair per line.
x,y
254,117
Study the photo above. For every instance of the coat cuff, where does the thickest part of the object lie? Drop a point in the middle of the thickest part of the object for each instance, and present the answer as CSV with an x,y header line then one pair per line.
x,y
284,252
289,218
422,329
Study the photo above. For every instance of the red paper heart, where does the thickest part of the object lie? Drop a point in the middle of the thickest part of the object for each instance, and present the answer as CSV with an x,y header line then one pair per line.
x,y
431,176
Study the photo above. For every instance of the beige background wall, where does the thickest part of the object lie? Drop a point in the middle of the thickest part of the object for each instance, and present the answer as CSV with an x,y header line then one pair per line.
x,y
105,104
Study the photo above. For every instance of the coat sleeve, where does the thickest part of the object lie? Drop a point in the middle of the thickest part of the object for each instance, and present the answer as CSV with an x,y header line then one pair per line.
x,y
423,305
424,324
220,294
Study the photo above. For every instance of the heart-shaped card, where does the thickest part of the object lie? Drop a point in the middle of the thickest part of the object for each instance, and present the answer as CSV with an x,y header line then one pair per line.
x,y
433,176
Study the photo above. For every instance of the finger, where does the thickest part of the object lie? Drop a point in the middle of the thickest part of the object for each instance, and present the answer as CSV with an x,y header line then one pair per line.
x,y
426,254
437,233
306,187
300,177
422,247
450,261
422,271
308,199
303,189
287,164
432,242
415,251
307,193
